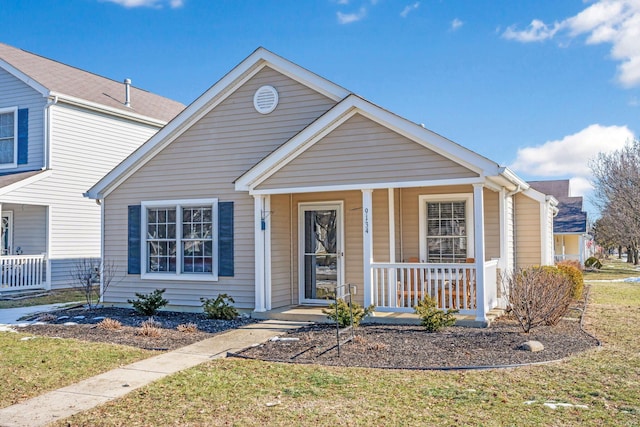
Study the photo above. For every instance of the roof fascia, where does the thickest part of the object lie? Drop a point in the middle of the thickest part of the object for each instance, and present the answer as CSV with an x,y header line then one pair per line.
x,y
23,183
206,102
93,106
44,91
341,112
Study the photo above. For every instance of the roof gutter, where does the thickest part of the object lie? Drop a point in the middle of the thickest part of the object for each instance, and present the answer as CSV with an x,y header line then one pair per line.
x,y
71,100
509,175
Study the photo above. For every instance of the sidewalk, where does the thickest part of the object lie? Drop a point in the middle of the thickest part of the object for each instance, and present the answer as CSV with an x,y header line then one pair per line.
x,y
94,391
10,316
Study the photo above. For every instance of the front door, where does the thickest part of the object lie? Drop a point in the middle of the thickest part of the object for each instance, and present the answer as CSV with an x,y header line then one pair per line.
x,y
321,251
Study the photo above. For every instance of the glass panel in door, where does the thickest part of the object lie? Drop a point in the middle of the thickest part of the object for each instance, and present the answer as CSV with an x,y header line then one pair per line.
x,y
320,257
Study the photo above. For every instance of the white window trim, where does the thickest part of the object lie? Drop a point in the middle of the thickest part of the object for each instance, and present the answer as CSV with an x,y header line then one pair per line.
x,y
422,214
178,275
13,110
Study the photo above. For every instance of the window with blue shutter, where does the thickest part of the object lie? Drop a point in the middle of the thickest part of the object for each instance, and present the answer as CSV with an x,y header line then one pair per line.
x,y
23,136
225,239
134,264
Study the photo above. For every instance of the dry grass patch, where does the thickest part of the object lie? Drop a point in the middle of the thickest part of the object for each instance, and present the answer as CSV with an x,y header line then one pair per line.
x,y
150,328
188,328
34,365
110,324
253,393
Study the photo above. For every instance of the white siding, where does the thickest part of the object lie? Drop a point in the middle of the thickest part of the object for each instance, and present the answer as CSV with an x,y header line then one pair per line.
x,y
85,146
204,162
15,93
528,231
29,228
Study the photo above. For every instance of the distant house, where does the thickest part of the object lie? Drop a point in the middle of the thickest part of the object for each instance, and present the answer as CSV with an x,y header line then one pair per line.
x,y
570,227
277,185
61,130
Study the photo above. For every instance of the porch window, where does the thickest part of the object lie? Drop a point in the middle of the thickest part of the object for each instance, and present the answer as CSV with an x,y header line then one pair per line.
x,y
181,239
447,228
8,140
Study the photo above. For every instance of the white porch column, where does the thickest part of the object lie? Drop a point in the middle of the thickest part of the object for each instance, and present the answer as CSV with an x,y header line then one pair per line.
x,y
392,274
502,207
367,244
260,248
478,227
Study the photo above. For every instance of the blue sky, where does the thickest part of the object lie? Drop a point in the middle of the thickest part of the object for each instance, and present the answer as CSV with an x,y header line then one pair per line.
x,y
537,85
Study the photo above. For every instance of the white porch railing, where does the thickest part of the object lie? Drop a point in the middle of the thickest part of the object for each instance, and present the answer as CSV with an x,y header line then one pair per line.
x,y
19,272
399,286
566,257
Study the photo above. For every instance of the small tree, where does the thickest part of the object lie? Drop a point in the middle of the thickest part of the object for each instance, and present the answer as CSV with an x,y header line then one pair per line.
x,y
431,317
538,296
220,307
342,312
149,304
87,274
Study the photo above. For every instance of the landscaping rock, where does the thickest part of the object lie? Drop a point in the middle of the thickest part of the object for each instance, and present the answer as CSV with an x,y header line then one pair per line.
x,y
532,346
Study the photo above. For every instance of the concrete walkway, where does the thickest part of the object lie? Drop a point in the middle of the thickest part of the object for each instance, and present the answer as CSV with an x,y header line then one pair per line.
x,y
10,316
94,391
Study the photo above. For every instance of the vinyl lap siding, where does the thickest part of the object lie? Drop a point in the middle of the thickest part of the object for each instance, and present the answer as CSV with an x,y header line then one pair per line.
x,y
15,93
492,224
85,146
29,227
282,224
528,234
204,162
369,153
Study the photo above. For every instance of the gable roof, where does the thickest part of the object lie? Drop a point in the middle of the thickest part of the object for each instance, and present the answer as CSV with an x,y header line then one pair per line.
x,y
70,84
571,219
347,105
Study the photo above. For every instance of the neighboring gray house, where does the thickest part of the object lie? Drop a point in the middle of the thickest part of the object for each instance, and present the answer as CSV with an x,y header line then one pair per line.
x,y
570,227
276,185
61,130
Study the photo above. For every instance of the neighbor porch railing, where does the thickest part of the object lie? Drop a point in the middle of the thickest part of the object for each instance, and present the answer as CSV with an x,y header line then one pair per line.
x,y
399,286
19,272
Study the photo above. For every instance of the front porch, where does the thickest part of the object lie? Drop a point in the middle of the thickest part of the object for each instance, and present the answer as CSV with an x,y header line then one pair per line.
x,y
301,313
307,243
23,272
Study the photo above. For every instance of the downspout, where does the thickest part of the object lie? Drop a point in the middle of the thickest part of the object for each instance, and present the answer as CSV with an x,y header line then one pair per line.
x,y
51,101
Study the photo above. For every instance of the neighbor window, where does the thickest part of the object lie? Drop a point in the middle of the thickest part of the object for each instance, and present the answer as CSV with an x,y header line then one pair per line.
x,y
8,138
180,238
447,230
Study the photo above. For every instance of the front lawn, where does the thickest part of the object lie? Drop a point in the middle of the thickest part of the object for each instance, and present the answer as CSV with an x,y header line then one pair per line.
x,y
45,297
602,387
33,365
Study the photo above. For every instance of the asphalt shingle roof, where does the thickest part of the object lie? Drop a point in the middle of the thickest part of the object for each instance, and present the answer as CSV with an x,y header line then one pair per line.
x,y
67,80
570,219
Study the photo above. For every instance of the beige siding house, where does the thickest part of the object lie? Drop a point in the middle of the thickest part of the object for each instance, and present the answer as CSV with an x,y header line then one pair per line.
x,y
61,130
276,186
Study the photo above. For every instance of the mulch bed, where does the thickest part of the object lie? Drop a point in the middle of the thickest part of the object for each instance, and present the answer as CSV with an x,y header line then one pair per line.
x,y
411,347
85,327
379,346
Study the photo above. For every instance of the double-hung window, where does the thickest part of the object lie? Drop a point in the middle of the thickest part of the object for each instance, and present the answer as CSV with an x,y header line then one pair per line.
x,y
8,137
446,228
180,239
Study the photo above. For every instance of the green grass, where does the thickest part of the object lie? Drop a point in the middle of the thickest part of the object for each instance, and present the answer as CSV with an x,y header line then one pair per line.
x,y
252,393
37,365
46,297
613,269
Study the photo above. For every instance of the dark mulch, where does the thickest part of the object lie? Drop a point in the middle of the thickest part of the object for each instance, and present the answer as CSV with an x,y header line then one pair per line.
x,y
85,327
411,347
382,346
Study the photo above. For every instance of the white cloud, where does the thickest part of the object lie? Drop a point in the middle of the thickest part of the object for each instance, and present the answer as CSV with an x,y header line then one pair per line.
x,y
148,3
409,8
570,155
455,24
615,22
348,18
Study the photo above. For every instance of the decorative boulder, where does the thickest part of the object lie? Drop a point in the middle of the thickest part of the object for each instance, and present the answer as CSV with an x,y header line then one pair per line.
x,y
532,346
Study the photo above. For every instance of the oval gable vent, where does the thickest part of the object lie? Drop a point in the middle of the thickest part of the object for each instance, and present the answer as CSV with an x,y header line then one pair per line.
x,y
265,100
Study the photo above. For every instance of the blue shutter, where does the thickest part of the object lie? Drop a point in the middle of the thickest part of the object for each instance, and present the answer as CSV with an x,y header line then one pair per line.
x,y
23,136
134,266
225,239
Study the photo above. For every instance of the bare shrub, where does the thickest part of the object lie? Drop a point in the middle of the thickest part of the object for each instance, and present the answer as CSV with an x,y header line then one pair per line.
x,y
538,296
110,324
150,328
188,328
87,274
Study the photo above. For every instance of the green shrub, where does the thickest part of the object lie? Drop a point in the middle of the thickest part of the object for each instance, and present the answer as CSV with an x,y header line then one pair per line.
x,y
593,262
431,317
149,304
219,308
343,316
575,276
